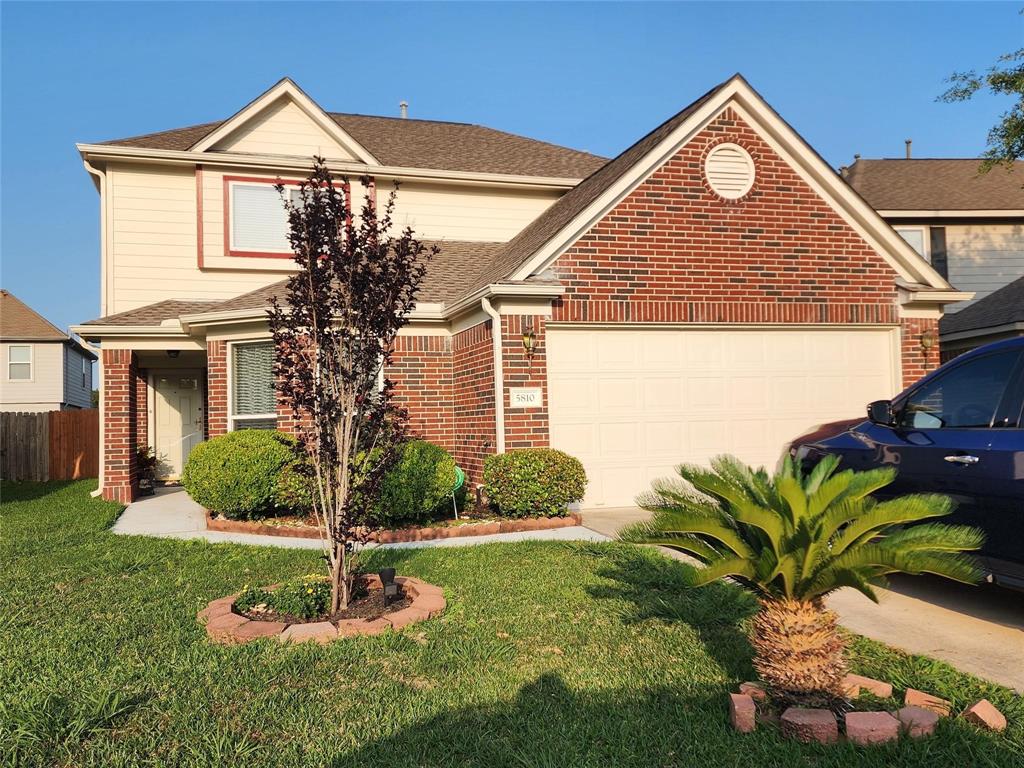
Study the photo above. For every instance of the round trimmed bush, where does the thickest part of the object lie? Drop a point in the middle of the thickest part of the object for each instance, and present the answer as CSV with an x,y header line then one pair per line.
x,y
417,486
236,474
534,482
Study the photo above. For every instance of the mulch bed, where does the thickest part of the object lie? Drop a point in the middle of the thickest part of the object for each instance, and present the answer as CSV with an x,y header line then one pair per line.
x,y
368,604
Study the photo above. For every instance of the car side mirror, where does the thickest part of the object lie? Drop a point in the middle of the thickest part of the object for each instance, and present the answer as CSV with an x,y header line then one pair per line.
x,y
880,412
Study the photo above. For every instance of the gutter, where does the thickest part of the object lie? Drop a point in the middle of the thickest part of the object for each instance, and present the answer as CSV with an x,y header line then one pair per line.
x,y
499,374
101,181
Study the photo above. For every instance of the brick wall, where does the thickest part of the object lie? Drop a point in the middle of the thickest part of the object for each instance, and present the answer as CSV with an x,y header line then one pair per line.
x,y
673,251
216,388
142,407
421,369
120,424
524,427
917,361
473,399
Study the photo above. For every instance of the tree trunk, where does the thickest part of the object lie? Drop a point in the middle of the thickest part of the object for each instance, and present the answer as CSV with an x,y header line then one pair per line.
x,y
798,649
339,598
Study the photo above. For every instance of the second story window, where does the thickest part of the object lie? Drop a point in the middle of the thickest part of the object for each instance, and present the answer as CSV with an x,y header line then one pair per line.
x,y
259,223
19,362
916,237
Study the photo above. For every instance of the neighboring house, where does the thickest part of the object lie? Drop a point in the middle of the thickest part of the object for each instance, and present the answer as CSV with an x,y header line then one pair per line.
x,y
1000,315
716,287
968,225
44,368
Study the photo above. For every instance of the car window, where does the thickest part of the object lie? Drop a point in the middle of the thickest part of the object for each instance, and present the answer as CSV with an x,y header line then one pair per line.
x,y
966,396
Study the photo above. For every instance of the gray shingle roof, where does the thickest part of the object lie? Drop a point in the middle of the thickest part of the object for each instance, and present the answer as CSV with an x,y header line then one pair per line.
x,y
18,321
153,314
936,184
429,144
998,308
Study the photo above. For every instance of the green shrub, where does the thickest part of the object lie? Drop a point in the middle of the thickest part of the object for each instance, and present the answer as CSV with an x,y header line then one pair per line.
x,y
295,487
236,474
534,482
418,486
307,597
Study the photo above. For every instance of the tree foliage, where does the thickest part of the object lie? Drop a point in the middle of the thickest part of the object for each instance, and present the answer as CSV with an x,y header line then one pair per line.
x,y
799,536
355,285
1005,78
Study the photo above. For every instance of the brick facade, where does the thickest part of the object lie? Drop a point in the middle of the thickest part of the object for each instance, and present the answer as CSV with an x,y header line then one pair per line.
x,y
216,388
917,360
421,370
673,251
525,427
123,410
473,398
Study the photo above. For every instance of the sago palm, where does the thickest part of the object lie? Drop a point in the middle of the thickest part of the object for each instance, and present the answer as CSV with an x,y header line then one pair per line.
x,y
794,538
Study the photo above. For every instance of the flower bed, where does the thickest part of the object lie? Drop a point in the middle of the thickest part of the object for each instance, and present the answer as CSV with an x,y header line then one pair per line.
x,y
402,534
226,626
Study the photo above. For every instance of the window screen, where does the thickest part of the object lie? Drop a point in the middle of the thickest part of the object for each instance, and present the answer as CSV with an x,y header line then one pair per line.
x,y
967,396
19,362
259,221
253,383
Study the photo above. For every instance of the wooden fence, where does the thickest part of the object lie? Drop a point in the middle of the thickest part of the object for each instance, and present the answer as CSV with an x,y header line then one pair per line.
x,y
54,445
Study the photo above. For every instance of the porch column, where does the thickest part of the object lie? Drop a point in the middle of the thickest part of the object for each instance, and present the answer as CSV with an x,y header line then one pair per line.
x,y
121,428
526,382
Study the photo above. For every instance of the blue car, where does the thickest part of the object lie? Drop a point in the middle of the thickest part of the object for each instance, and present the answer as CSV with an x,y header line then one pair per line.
x,y
958,431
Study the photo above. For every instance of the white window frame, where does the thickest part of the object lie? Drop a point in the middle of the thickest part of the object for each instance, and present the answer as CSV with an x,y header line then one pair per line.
x,y
232,416
31,362
231,218
925,238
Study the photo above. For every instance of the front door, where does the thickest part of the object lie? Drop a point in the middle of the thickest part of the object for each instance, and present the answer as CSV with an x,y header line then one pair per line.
x,y
178,419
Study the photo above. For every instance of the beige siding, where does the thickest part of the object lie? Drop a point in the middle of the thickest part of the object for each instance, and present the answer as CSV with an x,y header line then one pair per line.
x,y
75,392
284,129
45,390
984,257
456,212
154,253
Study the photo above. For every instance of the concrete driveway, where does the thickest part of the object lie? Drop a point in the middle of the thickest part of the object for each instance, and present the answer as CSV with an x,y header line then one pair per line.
x,y
979,630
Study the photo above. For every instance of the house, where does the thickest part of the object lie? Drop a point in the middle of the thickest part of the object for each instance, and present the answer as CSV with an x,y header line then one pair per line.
x,y
1000,315
969,225
44,368
715,287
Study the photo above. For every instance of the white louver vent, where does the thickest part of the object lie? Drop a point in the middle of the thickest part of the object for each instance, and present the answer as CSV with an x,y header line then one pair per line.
x,y
730,171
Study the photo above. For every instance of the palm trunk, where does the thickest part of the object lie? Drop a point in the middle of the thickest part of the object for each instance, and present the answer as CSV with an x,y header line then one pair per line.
x,y
798,650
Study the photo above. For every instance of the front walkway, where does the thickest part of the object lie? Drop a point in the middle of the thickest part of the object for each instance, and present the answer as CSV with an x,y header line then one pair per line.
x,y
171,514
976,629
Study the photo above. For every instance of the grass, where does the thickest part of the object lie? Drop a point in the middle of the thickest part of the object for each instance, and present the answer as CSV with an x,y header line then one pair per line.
x,y
550,654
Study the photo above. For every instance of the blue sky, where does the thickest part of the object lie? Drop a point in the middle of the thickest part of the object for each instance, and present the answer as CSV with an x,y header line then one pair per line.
x,y
849,77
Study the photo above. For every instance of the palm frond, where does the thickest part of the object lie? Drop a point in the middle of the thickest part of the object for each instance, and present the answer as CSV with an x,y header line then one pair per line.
x,y
898,511
937,537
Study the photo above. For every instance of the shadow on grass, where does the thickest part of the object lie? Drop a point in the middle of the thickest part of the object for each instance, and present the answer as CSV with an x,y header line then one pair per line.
x,y
652,587
17,491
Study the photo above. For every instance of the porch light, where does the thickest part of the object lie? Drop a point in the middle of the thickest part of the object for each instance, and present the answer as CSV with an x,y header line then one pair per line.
x,y
529,340
387,581
173,353
928,339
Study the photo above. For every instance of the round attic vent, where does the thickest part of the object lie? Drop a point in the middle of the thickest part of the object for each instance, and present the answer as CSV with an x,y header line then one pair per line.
x,y
730,171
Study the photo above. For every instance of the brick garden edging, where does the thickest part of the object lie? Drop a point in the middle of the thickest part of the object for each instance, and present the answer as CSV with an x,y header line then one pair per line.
x,y
917,719
402,534
225,626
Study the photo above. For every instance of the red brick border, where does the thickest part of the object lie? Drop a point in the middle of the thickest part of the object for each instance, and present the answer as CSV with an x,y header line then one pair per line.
x,y
402,534
226,627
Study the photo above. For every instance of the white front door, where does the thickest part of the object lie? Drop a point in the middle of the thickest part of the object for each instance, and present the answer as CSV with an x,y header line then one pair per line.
x,y
631,404
178,419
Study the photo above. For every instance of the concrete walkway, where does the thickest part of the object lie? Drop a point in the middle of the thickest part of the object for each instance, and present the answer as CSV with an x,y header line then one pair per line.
x,y
171,514
979,630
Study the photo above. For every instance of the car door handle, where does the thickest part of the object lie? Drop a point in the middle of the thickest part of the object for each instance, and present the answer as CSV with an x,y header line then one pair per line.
x,y
962,459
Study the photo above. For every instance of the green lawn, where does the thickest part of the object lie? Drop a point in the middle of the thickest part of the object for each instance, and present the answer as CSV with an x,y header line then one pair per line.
x,y
550,654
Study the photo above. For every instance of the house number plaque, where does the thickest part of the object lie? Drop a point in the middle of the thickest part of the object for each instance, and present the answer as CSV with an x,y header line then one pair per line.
x,y
525,397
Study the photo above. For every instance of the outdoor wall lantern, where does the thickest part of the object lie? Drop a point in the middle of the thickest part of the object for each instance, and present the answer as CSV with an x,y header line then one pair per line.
x,y
529,340
928,339
173,353
387,581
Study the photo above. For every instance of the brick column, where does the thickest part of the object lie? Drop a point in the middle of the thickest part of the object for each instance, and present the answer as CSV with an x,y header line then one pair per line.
x,y
141,407
525,427
120,424
421,369
216,388
473,399
918,361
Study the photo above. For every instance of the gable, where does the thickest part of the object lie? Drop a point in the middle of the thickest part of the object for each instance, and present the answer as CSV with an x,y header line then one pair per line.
x,y
673,242
283,128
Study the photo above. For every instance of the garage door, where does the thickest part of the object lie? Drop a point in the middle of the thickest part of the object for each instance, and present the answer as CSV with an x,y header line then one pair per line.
x,y
632,404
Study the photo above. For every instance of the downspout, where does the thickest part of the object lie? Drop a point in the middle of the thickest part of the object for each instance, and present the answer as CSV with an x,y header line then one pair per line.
x,y
499,374
101,178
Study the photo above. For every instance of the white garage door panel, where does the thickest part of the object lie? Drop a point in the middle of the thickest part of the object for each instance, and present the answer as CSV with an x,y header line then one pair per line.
x,y
632,404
